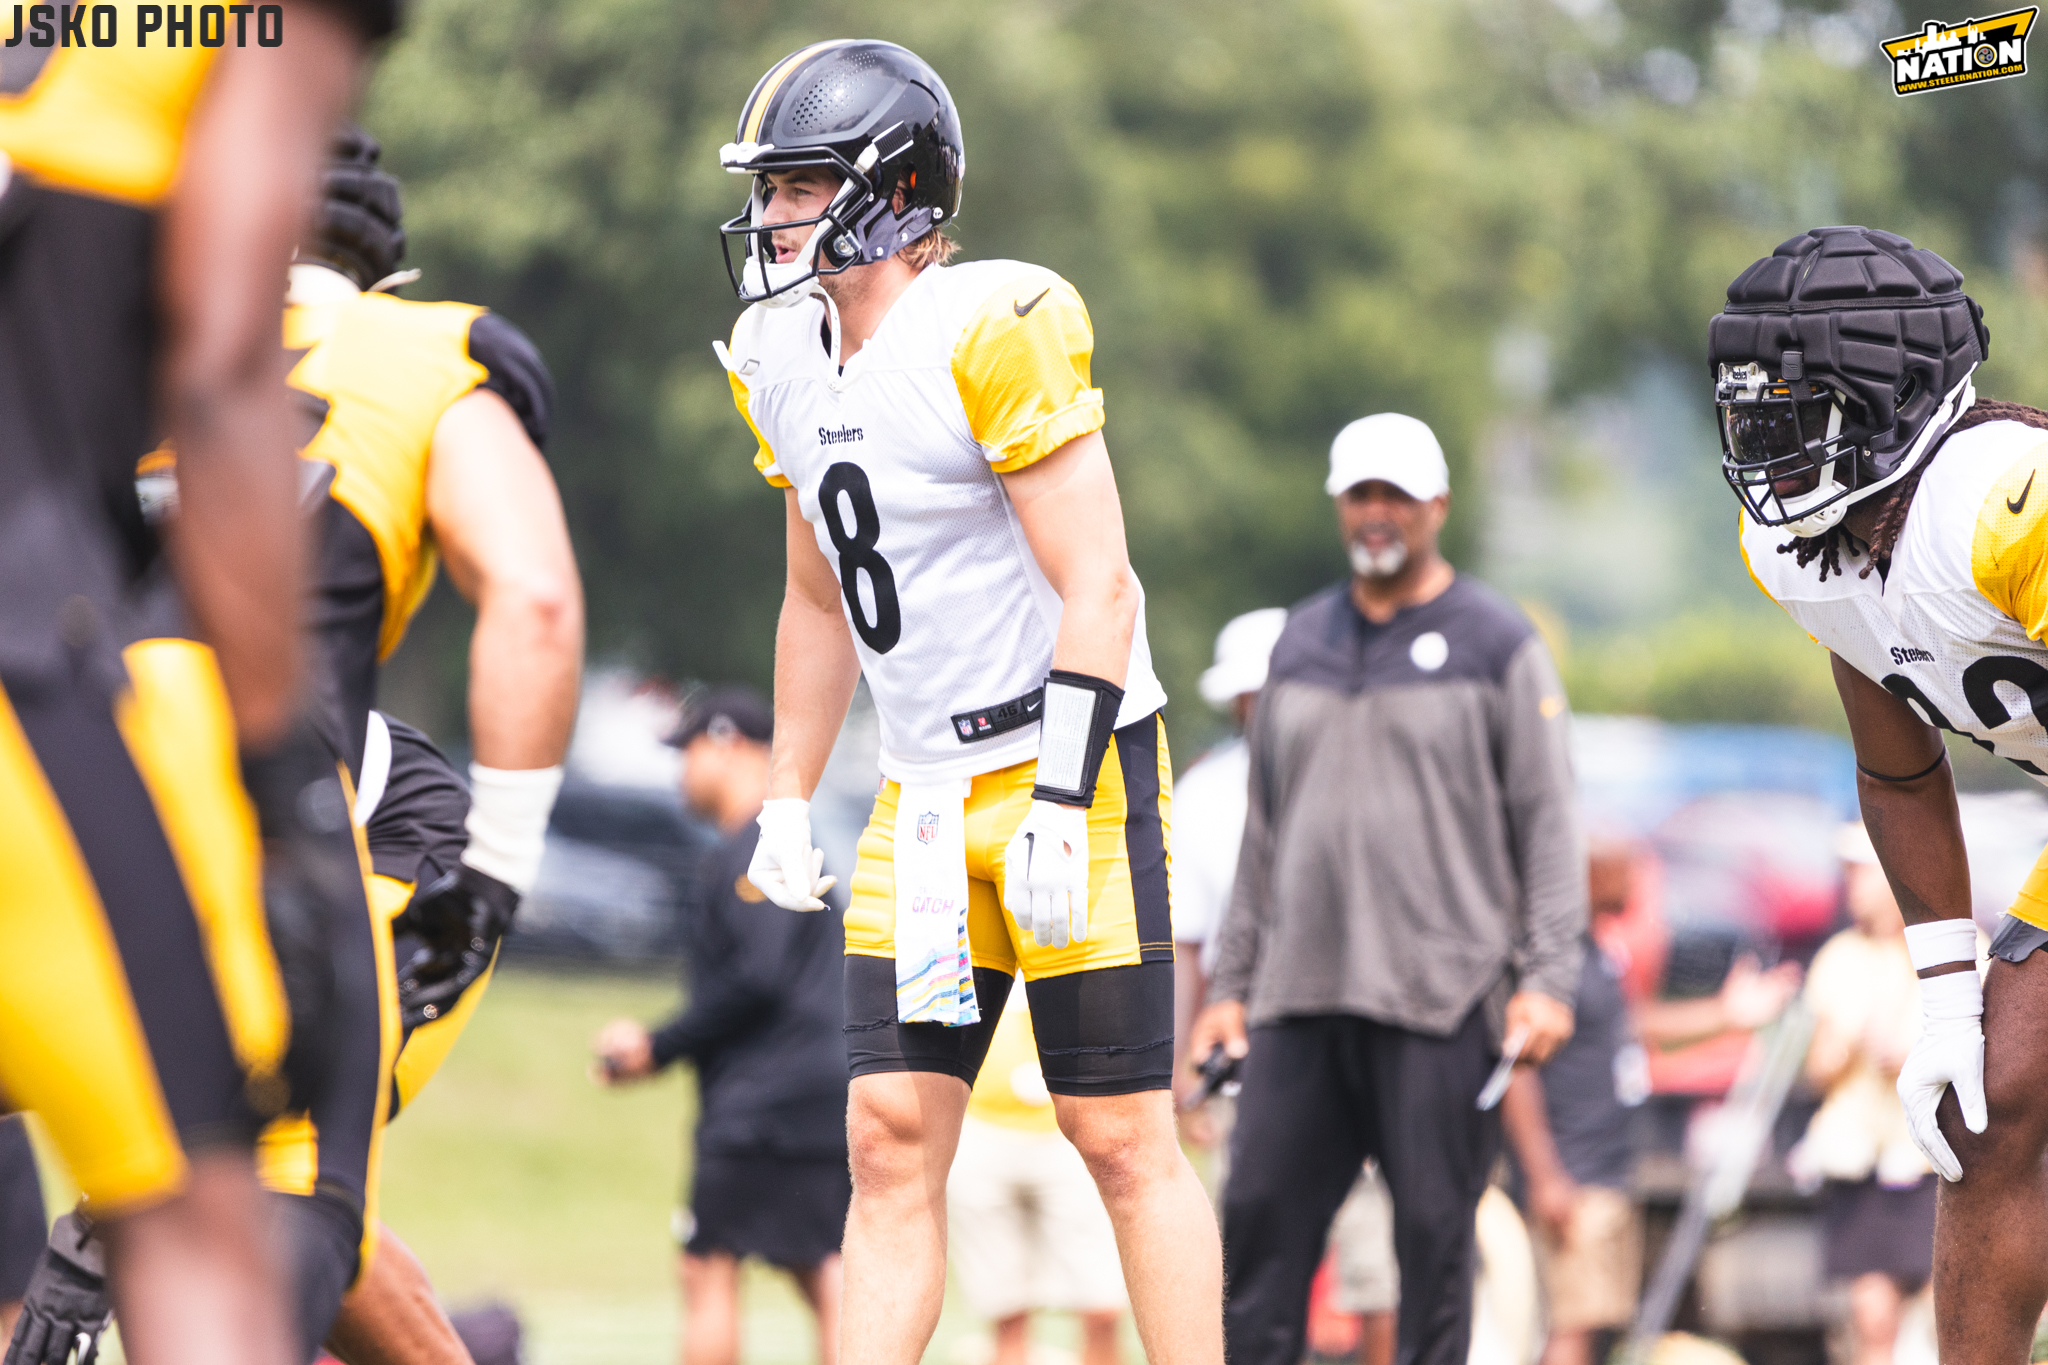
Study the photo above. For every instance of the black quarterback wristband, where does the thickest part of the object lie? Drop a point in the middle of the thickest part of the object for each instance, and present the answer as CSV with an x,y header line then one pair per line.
x,y
1080,715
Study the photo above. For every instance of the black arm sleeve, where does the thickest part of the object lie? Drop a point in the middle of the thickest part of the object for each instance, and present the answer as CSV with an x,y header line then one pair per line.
x,y
418,830
738,962
517,373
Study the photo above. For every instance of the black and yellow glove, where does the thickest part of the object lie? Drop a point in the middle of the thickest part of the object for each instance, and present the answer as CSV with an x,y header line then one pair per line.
x,y
64,1309
458,918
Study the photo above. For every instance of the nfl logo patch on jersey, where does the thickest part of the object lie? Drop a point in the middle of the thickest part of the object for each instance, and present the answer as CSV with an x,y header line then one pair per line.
x,y
927,827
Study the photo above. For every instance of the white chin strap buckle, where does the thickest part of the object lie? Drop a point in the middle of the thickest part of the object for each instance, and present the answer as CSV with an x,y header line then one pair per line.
x,y
1821,522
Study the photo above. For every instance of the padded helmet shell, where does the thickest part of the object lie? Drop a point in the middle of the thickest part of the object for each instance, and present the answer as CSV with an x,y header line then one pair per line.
x,y
358,227
879,116
1883,322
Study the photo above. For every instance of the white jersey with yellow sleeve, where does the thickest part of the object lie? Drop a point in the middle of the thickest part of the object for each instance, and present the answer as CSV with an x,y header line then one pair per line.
x,y
1954,627
977,370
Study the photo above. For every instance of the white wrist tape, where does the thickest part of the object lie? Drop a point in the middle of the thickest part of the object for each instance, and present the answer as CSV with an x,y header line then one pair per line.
x,y
1940,942
508,821
1957,995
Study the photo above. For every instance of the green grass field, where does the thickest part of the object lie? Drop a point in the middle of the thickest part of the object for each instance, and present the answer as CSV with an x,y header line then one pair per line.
x,y
514,1177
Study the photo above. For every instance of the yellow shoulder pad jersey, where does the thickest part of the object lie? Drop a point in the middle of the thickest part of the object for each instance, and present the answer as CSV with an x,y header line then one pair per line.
x,y
978,370
1955,627
377,374
1010,1091
106,121
382,371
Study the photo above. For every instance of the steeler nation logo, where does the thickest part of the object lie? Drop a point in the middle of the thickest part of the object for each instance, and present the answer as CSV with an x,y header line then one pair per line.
x,y
1944,55
927,827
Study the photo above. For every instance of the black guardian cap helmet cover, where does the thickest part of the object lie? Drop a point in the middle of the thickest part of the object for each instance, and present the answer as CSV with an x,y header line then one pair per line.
x,y
878,116
1839,361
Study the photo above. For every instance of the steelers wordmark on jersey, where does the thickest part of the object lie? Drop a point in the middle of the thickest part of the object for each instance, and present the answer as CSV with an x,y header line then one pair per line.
x,y
978,370
1953,627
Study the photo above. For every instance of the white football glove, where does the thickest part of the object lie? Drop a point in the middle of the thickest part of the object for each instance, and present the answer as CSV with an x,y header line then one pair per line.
x,y
785,866
1948,1052
1045,874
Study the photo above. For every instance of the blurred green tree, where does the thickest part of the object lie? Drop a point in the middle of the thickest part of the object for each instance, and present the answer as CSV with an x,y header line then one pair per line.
x,y
1485,213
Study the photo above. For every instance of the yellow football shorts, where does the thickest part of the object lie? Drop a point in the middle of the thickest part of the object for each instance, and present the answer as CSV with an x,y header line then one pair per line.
x,y
1129,917
1102,1009
141,1010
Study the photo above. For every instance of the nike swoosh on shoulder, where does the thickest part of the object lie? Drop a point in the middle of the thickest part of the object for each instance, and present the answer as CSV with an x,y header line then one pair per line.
x,y
1020,309
2013,505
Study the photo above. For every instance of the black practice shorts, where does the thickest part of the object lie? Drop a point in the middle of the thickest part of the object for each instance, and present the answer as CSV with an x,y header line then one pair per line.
x,y
789,1211
1105,1031
1867,1228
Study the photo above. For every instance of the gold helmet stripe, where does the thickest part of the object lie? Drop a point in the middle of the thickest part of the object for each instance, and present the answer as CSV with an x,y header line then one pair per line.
x,y
750,120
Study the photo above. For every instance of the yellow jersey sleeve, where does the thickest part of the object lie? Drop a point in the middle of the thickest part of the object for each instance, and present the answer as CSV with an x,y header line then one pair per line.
x,y
2009,550
1021,366
764,458
106,121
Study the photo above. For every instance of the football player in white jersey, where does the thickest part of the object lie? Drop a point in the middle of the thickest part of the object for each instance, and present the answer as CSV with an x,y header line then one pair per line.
x,y
1895,516
954,536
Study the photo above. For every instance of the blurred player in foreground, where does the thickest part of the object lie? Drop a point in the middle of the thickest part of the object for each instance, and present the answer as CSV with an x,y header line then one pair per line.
x,y
155,974
411,445
1896,518
954,535
769,1175
24,1221
424,423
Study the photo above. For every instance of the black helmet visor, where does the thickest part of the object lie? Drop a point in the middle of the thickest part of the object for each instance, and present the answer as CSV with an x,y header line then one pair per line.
x,y
1777,441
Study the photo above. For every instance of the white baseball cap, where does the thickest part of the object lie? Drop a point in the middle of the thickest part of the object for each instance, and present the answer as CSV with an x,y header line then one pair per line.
x,y
1387,445
1242,648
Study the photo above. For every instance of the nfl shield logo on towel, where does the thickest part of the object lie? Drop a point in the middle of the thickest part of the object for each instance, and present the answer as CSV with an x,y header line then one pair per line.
x,y
927,827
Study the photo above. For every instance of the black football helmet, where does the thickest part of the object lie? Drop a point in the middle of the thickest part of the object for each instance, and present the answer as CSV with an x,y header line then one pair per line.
x,y
359,225
878,116
1841,358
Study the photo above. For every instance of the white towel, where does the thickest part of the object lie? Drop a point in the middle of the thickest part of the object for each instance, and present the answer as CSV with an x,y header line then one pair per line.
x,y
934,971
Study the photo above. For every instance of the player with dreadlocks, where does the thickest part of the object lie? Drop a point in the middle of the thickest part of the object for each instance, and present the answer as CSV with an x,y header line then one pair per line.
x,y
1919,557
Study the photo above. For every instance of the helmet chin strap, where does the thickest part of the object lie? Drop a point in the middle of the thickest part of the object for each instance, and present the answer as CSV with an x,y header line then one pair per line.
x,y
796,279
1957,401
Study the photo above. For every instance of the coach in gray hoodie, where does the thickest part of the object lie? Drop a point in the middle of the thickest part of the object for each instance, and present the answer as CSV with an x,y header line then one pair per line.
x,y
1410,898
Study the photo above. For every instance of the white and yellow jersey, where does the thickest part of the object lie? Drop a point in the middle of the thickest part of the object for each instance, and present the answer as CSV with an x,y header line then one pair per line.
x,y
1955,627
976,371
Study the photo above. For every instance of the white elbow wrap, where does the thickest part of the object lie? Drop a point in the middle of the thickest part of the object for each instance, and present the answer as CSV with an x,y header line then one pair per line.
x,y
508,821
1941,942
1080,716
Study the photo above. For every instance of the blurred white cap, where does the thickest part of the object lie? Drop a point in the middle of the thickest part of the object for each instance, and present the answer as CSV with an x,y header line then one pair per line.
x,y
1852,844
1242,648
1389,446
